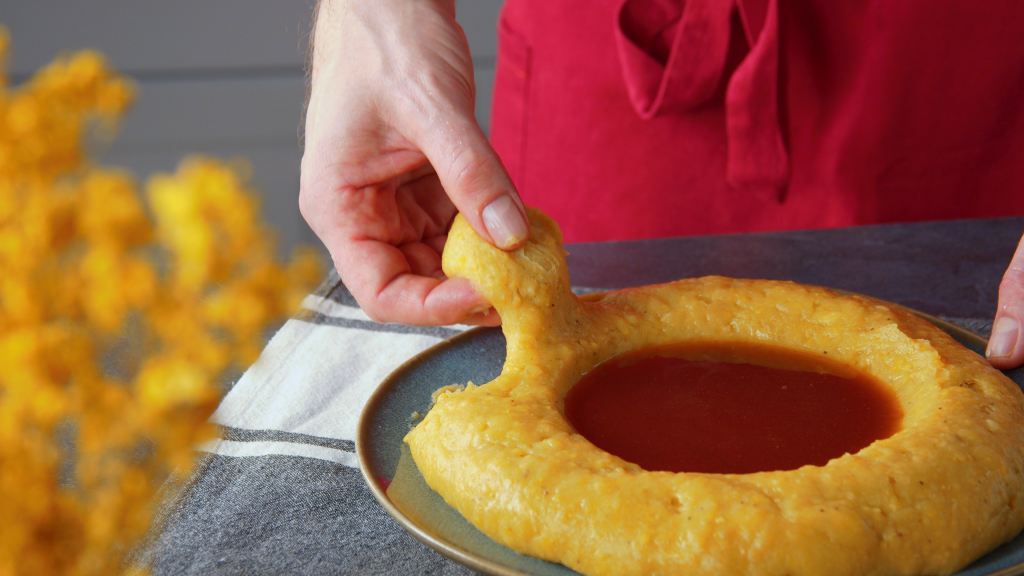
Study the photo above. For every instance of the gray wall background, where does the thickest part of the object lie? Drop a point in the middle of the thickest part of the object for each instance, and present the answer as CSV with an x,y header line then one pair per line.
x,y
218,77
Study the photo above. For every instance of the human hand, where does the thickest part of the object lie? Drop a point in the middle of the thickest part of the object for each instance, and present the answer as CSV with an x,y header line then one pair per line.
x,y
393,151
1006,347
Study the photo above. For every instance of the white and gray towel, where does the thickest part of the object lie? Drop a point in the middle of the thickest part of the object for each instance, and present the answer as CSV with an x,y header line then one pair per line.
x,y
280,492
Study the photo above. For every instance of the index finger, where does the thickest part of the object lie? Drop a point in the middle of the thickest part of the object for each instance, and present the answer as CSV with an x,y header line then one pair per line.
x,y
380,278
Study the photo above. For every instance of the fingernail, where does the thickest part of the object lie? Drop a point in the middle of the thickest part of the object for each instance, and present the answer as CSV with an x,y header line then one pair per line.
x,y
505,223
485,310
1003,339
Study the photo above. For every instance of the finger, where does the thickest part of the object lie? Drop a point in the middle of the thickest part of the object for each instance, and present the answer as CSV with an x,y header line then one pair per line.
x,y
423,260
436,242
417,300
488,317
381,280
425,207
1005,346
476,181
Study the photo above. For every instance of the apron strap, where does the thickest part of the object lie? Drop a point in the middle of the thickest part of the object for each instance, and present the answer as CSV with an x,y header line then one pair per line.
x,y
673,57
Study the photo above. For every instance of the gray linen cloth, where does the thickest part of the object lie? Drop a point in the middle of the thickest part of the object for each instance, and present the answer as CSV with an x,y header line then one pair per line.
x,y
280,492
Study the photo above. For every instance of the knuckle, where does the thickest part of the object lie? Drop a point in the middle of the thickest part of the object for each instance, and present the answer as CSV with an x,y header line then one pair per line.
x,y
374,314
1013,280
469,171
305,207
372,307
1011,292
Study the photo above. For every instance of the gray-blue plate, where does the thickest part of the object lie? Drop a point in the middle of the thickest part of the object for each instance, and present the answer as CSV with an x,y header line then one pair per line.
x,y
478,355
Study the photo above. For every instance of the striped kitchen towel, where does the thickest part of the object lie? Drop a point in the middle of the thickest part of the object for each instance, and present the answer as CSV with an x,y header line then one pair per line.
x,y
280,491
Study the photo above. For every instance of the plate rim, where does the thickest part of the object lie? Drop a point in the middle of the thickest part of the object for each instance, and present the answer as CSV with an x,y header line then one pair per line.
x,y
362,450
488,566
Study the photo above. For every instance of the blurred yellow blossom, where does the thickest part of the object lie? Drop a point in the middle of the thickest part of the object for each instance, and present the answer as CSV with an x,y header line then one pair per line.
x,y
120,313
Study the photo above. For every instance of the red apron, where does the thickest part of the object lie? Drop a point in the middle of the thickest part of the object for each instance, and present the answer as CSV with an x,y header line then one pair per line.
x,y
648,118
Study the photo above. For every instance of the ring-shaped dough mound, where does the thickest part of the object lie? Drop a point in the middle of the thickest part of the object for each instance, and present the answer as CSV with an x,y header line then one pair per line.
x,y
928,500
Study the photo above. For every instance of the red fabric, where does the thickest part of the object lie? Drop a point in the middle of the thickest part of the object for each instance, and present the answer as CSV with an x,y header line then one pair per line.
x,y
646,118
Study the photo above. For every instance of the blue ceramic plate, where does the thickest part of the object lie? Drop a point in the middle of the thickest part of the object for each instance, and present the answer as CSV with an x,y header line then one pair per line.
x,y
478,355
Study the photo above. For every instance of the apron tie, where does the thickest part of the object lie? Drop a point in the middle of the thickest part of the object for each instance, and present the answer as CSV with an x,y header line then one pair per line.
x,y
673,57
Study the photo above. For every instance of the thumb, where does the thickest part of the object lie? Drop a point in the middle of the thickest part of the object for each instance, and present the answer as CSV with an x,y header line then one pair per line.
x,y
476,181
1006,346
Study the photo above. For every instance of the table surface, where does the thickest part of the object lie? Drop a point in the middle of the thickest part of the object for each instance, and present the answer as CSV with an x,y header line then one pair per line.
x,y
280,492
950,268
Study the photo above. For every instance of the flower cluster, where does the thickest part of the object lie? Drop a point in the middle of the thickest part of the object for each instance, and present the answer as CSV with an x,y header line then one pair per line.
x,y
121,313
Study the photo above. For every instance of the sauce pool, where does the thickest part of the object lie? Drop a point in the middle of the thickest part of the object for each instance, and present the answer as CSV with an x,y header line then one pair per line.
x,y
730,408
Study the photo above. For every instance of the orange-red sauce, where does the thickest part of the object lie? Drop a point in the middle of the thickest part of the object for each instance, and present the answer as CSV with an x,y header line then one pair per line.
x,y
729,408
